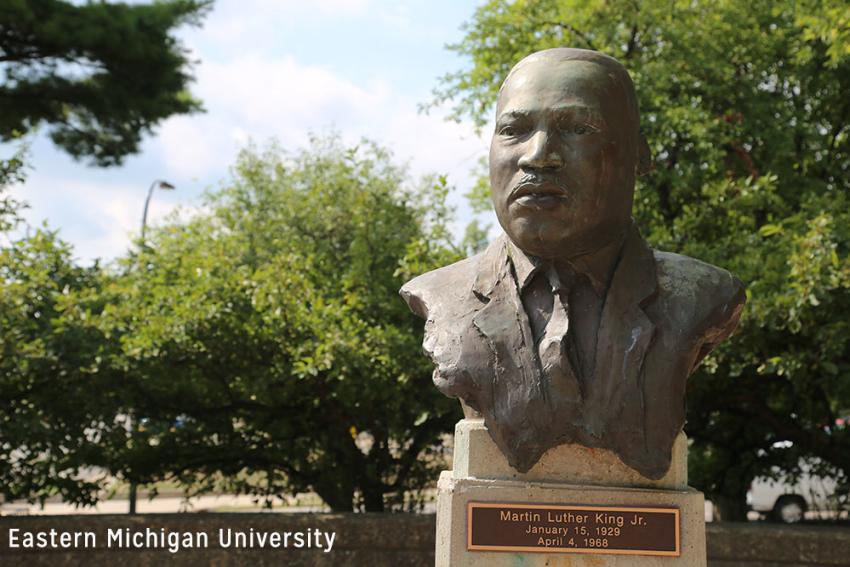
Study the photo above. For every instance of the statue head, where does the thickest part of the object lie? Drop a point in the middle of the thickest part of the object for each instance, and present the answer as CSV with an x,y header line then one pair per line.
x,y
564,152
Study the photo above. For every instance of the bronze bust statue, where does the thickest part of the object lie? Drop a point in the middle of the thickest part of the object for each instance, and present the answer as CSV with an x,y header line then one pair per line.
x,y
569,328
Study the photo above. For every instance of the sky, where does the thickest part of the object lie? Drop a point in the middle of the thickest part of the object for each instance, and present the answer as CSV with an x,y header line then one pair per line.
x,y
273,69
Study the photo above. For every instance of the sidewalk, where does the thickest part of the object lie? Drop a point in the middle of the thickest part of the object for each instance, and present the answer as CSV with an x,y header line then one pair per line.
x,y
159,505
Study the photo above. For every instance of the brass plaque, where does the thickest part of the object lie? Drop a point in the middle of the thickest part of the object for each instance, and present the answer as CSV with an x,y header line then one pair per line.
x,y
543,528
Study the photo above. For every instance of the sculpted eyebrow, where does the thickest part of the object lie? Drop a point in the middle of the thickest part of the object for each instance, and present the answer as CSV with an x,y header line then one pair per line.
x,y
513,115
579,111
571,111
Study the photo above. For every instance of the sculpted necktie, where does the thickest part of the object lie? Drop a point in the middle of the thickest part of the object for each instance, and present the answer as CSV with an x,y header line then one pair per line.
x,y
551,345
552,350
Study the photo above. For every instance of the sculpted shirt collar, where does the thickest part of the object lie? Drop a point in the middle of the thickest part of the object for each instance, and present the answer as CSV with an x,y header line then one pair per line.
x,y
598,266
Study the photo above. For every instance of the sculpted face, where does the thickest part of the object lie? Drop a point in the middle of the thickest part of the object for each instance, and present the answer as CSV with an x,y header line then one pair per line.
x,y
563,153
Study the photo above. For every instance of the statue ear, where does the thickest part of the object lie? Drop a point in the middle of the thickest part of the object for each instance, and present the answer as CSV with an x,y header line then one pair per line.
x,y
644,164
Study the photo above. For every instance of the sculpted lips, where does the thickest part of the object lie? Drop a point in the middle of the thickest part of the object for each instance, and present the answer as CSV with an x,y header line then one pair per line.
x,y
536,191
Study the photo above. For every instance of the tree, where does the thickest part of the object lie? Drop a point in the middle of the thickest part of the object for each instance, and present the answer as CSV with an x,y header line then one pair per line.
x,y
264,348
101,75
744,106
57,406
12,172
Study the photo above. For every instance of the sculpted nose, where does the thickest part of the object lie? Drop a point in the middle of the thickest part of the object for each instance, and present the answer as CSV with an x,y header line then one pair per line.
x,y
540,153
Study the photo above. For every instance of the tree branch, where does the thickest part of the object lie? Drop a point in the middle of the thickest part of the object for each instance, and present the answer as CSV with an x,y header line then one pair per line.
x,y
575,31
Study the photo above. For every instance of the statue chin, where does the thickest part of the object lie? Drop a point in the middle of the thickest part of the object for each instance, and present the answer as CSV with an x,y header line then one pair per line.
x,y
543,247
549,242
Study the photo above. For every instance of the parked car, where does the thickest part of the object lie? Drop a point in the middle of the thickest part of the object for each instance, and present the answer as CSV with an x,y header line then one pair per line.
x,y
788,501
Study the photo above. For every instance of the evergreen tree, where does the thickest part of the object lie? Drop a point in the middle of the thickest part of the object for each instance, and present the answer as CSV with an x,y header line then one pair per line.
x,y
100,75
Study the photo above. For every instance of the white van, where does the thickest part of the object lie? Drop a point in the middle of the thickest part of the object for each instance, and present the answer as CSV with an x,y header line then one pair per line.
x,y
811,494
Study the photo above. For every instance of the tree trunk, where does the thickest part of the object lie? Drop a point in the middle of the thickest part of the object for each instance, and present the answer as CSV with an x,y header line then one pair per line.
x,y
373,500
340,498
730,508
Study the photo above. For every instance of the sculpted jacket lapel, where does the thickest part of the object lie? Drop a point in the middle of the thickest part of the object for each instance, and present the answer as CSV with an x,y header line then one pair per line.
x,y
526,410
625,333
518,391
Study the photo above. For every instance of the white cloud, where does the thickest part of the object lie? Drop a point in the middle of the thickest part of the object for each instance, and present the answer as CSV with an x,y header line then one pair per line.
x,y
190,149
250,25
433,143
260,91
107,215
325,7
257,98
248,98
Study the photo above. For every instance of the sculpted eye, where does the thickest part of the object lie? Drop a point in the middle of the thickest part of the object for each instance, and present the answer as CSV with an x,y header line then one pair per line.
x,y
582,129
508,131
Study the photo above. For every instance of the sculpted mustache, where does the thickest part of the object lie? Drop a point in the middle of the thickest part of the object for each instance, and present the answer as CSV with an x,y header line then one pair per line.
x,y
530,181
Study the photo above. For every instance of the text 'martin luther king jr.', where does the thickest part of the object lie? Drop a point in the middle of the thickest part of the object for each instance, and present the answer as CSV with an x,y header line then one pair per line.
x,y
569,328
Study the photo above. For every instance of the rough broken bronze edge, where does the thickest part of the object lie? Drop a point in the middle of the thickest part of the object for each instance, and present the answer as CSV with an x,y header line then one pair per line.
x,y
470,506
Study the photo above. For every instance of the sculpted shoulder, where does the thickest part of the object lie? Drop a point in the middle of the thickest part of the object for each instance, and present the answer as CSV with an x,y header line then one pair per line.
x,y
700,297
441,289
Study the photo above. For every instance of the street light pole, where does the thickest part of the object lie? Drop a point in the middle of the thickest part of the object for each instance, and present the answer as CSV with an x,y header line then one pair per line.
x,y
157,184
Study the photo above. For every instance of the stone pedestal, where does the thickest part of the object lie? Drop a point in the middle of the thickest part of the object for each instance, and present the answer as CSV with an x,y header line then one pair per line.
x,y
569,475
